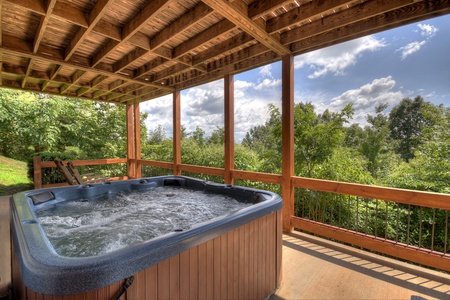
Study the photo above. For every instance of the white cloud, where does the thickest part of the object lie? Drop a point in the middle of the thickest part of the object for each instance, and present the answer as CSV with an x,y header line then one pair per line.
x,y
338,58
266,71
410,48
366,98
427,31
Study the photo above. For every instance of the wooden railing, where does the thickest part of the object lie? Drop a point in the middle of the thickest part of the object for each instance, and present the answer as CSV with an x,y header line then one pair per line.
x,y
361,215
38,165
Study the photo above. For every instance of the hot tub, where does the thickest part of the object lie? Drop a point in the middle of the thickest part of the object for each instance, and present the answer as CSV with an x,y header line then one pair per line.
x,y
233,256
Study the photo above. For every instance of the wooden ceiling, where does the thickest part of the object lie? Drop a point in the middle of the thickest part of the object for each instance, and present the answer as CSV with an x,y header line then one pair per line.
x,y
123,51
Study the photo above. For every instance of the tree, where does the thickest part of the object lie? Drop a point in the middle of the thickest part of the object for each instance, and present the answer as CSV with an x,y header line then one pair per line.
x,y
316,136
407,122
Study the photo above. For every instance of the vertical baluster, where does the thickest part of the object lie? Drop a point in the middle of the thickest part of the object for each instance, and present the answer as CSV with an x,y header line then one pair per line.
x,y
446,231
348,212
432,229
376,217
357,213
397,222
303,198
339,214
317,207
386,221
367,215
420,228
408,231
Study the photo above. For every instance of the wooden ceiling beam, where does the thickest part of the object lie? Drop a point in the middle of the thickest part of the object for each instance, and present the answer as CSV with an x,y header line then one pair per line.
x,y
15,46
148,67
183,23
128,59
43,25
240,40
97,12
260,8
36,6
220,28
132,27
76,76
27,72
93,84
241,20
351,15
53,72
304,14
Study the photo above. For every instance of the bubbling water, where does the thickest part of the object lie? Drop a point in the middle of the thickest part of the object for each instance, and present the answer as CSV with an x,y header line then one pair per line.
x,y
89,227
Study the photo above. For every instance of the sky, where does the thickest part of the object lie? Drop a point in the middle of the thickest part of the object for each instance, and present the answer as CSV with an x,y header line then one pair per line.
x,y
382,68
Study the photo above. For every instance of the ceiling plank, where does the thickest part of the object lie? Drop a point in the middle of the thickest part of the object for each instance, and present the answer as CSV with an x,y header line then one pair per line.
x,y
128,59
132,27
98,11
220,28
304,14
36,6
148,67
241,20
14,46
183,23
93,84
262,7
351,15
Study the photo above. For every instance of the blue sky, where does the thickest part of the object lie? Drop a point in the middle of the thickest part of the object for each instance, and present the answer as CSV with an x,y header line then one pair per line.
x,y
381,68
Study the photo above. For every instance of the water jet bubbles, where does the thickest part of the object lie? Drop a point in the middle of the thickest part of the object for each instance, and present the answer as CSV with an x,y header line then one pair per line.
x,y
111,222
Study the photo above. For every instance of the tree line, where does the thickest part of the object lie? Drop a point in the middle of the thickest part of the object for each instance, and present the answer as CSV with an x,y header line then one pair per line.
x,y
408,147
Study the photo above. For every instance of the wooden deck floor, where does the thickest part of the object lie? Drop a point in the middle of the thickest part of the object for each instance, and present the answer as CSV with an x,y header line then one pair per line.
x,y
314,268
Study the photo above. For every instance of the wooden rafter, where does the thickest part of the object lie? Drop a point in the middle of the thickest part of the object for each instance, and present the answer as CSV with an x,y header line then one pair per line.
x,y
27,72
240,19
43,25
93,84
99,10
74,80
131,28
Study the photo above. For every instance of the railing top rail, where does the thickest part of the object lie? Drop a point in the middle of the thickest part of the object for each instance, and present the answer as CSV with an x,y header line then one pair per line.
x,y
88,162
419,198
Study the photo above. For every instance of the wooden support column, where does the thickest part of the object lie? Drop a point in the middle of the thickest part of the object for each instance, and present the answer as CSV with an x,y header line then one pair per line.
x,y
176,133
131,138
229,128
137,137
287,110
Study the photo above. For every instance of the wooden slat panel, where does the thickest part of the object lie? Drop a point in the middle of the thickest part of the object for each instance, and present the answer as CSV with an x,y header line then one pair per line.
x,y
216,268
210,269
174,284
151,283
202,271
164,279
193,273
184,275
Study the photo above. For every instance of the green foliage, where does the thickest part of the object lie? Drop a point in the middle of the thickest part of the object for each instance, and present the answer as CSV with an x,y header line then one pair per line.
x,y
13,176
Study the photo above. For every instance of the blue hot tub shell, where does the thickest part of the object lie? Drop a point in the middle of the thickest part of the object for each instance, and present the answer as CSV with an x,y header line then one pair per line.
x,y
46,272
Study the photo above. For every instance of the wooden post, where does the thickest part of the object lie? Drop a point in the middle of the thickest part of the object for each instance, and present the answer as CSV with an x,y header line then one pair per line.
x,y
37,172
176,133
131,152
137,137
229,128
287,192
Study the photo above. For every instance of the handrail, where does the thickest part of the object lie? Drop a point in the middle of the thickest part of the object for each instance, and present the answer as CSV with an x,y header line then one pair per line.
x,y
419,198
38,165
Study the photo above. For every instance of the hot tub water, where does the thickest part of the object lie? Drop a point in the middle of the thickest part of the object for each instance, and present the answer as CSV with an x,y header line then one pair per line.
x,y
110,222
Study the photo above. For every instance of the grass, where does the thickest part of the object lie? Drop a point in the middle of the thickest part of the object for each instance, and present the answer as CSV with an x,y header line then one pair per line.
x,y
13,176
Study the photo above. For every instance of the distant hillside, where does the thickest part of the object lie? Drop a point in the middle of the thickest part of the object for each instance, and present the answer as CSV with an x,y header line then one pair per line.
x,y
13,176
